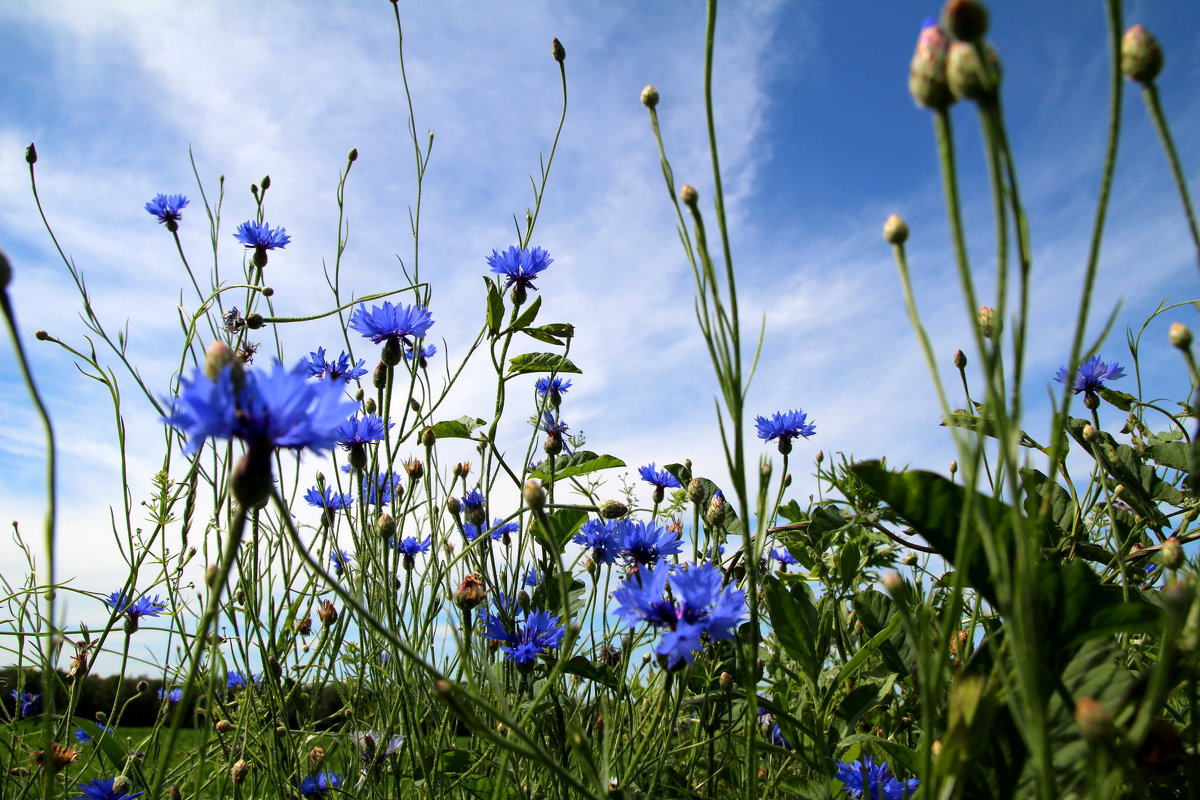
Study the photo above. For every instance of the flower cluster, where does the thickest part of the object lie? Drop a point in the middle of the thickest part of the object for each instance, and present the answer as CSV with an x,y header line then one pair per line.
x,y
327,499
318,785
603,538
497,530
647,543
342,369
872,781
697,605
393,325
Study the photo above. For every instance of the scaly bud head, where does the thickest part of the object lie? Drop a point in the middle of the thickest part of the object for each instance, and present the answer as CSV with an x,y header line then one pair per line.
x,y
237,773
1172,553
1141,55
1180,336
927,81
895,230
352,156
216,357
689,195
385,526
650,97
968,78
31,154
428,438
988,326
960,360
328,613
470,592
557,50
613,509
695,490
534,494
415,469
717,508
370,406
966,20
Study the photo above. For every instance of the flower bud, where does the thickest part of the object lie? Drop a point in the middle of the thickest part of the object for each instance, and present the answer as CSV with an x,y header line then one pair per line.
x,y
428,437
142,686
695,490
237,773
966,20
1141,55
1179,336
392,352
41,336
557,50
379,376
613,509
255,321
370,406
415,469
1172,553
415,405
927,72
268,291
385,526
953,467
1094,720
6,274
223,726
328,613
303,626
726,682
31,154
553,444
895,230
216,357
121,786
1091,401
316,755
352,156
894,584
453,506
470,592
174,794
649,97
717,508
960,360
968,79
987,322
534,495
689,195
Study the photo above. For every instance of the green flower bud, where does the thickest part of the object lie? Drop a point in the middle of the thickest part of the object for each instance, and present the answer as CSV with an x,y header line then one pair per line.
x,y
717,509
966,20
352,156
534,494
31,154
5,271
1180,336
960,360
558,51
255,321
1141,55
967,77
370,406
613,509
428,437
689,195
927,81
650,97
895,230
1172,553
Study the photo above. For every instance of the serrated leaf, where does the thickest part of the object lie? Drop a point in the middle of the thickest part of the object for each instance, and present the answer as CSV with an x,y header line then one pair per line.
x,y
461,428
541,362
495,308
578,463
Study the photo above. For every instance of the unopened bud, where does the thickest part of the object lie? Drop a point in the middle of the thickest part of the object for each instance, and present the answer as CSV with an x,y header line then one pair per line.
x,y
415,405
303,626
960,360
894,584
453,506
237,773
1141,55
415,469
650,97
268,291
695,490
717,508
910,560
31,154
726,682
428,437
1180,336
1172,553
385,526
613,509
6,273
41,336
216,358
987,322
895,230
534,494
470,592
953,467
210,576
142,686
316,755
121,786
689,195
1089,433
966,20
1094,720
927,71
174,794
352,156
968,78
370,406
558,51
223,726
255,321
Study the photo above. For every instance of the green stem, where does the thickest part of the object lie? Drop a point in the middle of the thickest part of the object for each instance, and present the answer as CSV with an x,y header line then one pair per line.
x,y
1154,106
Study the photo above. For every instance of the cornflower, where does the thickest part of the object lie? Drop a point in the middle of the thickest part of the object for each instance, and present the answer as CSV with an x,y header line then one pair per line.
x,y
554,430
1089,379
523,641
356,433
26,703
260,237
168,208
134,610
395,326
498,530
342,369
604,539
785,427
866,779
103,789
170,695
340,560
411,547
318,785
552,389
647,543
519,268
661,480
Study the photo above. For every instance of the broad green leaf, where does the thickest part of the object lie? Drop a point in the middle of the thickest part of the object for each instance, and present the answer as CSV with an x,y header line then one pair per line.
x,y
461,428
580,462
1121,400
563,330
542,336
540,362
876,611
563,523
985,424
793,616
1173,455
585,668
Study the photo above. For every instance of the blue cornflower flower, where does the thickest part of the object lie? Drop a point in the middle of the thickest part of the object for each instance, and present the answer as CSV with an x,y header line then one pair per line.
x,y
498,529
538,633
472,507
411,547
771,729
340,370
552,389
168,208
102,789
318,785
83,737
340,560
698,604
519,268
377,490
533,577
240,680
357,432
369,749
279,408
393,325
134,610
872,781
170,695
260,236
423,355
328,499
1090,378
660,479
783,557
604,539
554,430
26,702
785,427
647,543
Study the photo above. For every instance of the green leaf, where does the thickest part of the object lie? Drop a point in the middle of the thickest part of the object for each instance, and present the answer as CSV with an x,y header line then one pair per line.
x,y
1121,400
580,462
548,595
731,525
495,308
461,428
876,611
856,662
542,336
1173,455
540,362
584,668
563,330
983,423
528,315
563,524
793,616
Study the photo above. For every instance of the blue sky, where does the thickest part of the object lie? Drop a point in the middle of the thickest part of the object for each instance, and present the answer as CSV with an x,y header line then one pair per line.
x,y
819,139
